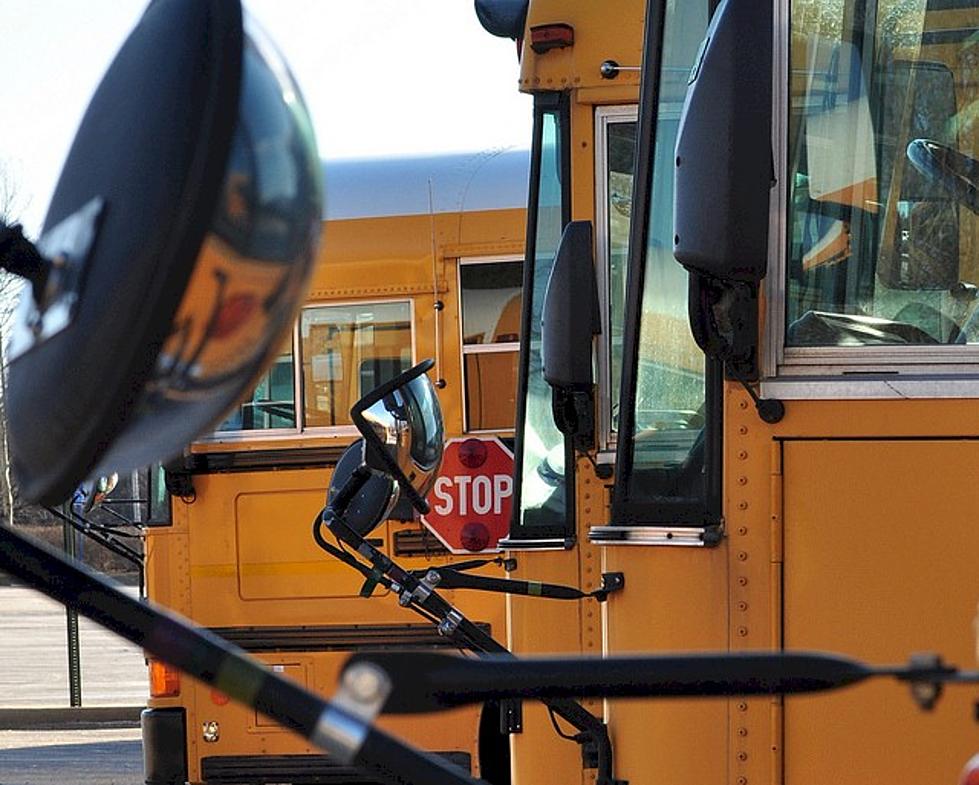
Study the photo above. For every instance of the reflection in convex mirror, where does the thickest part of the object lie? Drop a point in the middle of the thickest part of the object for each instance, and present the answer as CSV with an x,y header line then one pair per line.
x,y
174,253
401,422
92,493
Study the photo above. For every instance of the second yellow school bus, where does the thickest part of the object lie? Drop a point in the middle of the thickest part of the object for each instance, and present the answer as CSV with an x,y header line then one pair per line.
x,y
422,258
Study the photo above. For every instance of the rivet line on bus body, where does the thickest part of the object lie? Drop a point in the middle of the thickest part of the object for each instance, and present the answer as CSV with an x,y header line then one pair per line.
x,y
742,756
742,505
743,632
742,530
742,706
742,606
742,404
742,781
743,430
742,732
742,556
743,455
742,581
742,480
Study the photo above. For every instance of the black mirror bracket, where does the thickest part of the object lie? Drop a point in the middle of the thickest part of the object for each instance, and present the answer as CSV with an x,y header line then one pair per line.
x,y
422,593
770,410
724,323
574,415
54,266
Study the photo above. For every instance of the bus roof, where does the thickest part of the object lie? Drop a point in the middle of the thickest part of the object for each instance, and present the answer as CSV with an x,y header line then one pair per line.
x,y
460,182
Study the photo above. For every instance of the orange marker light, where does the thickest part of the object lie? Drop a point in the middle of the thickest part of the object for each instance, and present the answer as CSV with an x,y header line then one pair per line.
x,y
164,680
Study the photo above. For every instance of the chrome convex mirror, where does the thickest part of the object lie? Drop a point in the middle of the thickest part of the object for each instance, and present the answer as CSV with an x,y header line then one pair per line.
x,y
401,422
174,254
92,493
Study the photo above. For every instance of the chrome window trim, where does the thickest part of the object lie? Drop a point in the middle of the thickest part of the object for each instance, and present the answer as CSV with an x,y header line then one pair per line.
x,y
770,353
919,382
605,116
829,372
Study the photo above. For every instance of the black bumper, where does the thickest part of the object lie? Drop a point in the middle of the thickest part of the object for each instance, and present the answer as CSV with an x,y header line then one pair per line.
x,y
164,746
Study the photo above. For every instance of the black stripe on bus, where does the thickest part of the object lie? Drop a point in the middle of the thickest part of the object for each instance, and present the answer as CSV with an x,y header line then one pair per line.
x,y
252,460
351,637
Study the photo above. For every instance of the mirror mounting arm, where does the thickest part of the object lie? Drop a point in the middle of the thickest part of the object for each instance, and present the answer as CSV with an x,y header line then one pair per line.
x,y
21,257
724,322
357,480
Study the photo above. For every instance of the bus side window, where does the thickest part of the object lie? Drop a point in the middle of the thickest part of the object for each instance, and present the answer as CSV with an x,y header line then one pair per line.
x,y
491,302
346,351
271,404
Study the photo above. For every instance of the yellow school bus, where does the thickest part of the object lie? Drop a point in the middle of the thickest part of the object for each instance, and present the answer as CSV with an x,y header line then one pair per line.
x,y
422,258
830,266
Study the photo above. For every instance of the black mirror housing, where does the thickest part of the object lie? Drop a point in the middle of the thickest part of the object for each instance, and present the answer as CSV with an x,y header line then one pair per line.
x,y
570,316
373,503
570,319
724,164
503,18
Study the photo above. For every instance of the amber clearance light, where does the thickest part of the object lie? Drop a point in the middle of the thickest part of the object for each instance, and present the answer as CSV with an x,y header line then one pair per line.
x,y
164,680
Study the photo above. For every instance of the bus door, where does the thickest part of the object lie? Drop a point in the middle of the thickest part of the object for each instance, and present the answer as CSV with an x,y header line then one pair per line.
x,y
663,528
876,285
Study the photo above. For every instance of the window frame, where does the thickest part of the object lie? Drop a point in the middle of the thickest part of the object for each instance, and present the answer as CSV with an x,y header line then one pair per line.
x,y
520,536
488,348
604,117
299,392
629,513
837,372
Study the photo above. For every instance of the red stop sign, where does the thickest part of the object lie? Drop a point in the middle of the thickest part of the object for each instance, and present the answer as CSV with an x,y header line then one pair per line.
x,y
470,500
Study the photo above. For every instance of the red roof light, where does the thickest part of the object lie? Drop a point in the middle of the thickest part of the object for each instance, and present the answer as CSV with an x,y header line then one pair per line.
x,y
543,38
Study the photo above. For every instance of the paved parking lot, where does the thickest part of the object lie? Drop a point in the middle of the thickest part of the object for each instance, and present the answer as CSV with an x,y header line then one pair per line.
x,y
33,675
76,757
34,657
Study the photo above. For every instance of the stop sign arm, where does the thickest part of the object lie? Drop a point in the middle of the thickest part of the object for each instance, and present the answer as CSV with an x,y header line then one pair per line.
x,y
449,578
420,593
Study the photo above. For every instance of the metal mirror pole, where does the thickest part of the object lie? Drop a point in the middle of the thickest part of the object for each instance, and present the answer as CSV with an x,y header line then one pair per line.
x,y
71,620
456,626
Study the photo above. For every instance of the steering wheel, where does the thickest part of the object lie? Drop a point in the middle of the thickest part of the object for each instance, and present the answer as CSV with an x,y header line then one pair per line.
x,y
955,172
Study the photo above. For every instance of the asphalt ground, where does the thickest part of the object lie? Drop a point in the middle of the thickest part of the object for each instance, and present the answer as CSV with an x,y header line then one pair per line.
x,y
34,657
107,756
42,740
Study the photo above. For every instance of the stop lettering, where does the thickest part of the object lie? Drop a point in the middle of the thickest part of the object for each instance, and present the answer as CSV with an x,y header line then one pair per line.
x,y
471,498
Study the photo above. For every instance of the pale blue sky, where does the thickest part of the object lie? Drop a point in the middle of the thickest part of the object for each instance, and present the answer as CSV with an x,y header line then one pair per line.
x,y
381,77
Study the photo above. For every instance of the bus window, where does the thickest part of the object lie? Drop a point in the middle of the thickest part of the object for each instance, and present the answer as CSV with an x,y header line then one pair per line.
x,y
272,403
348,350
542,506
491,301
616,139
881,246
665,400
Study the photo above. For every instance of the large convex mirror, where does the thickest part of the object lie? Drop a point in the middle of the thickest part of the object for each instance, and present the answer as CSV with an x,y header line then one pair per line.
x,y
184,225
401,422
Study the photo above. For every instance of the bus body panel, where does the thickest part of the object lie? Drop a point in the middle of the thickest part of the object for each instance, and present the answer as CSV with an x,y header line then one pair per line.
x,y
238,556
